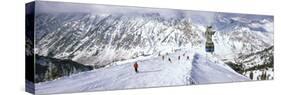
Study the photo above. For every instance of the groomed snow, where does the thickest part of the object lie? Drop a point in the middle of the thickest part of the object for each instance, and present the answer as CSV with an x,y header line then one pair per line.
x,y
154,72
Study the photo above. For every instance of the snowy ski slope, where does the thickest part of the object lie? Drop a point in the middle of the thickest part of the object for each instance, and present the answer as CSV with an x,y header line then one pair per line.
x,y
185,68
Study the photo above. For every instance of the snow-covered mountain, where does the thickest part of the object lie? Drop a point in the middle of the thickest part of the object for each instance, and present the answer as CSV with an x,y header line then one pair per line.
x,y
258,65
99,40
94,47
242,35
102,39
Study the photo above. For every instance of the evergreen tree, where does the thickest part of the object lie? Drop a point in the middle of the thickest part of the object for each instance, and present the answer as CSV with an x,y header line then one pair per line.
x,y
251,75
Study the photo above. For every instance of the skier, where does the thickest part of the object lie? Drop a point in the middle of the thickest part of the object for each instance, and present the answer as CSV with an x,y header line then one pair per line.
x,y
170,60
209,43
136,67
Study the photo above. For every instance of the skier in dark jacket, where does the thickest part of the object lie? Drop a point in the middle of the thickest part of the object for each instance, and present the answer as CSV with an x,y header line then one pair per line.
x,y
170,60
136,67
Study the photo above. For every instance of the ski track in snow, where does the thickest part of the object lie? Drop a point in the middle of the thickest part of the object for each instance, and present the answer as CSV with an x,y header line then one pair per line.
x,y
153,72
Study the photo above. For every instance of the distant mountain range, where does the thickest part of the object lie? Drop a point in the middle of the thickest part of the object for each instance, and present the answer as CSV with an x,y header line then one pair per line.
x,y
99,40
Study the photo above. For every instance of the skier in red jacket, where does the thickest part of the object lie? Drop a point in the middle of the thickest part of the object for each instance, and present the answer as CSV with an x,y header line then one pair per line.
x,y
136,67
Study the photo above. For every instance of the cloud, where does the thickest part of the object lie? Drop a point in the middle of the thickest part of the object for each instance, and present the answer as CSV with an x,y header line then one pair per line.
x,y
60,7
